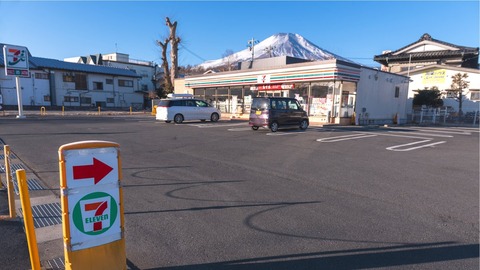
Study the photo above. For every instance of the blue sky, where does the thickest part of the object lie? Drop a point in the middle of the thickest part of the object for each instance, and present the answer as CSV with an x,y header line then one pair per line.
x,y
357,30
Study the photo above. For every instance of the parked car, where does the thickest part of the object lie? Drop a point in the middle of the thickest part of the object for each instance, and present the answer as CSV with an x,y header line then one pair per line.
x,y
276,112
179,108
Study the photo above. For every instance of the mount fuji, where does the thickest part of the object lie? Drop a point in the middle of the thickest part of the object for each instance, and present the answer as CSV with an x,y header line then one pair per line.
x,y
282,44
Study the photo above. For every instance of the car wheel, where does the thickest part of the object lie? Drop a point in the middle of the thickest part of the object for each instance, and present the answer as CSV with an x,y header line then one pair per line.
x,y
303,124
214,117
178,118
168,121
254,128
274,127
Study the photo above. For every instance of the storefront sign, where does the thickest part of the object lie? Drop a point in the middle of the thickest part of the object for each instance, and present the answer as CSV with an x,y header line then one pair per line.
x,y
16,61
92,207
263,79
273,87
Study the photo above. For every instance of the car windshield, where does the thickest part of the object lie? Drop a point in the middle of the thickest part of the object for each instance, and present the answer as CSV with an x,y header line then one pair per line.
x,y
201,103
164,103
260,104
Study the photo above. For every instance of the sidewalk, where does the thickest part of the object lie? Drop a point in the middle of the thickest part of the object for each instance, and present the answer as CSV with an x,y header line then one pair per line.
x,y
13,242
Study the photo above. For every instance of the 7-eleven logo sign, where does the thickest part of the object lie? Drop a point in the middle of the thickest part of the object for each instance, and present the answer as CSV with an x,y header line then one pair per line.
x,y
95,213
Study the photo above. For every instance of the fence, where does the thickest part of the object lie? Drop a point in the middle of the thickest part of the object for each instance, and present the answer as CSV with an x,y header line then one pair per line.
x,y
443,116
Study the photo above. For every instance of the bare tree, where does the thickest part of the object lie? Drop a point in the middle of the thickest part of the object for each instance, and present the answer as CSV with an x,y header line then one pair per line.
x,y
168,85
458,84
229,59
174,41
170,71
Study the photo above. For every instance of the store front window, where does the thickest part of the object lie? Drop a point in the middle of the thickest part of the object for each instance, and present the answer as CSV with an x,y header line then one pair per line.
x,y
209,95
347,100
221,100
300,92
321,99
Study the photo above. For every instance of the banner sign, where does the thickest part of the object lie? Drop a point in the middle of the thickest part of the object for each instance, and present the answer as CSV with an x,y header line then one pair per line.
x,y
273,87
434,77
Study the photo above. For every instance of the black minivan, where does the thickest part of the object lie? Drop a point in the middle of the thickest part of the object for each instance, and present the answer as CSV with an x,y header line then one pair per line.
x,y
276,112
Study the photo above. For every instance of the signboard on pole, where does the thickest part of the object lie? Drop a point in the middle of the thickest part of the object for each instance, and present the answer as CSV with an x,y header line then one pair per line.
x,y
93,222
16,61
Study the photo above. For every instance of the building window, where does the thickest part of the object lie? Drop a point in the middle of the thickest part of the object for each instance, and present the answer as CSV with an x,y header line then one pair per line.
x,y
97,85
46,98
86,100
109,81
41,76
125,83
474,94
70,99
110,100
144,87
397,91
80,81
68,77
452,94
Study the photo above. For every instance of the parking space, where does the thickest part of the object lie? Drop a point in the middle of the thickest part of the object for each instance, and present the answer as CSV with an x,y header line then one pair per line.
x,y
204,195
402,139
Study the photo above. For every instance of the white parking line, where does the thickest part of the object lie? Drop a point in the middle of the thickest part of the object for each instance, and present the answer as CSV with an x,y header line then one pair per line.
x,y
418,133
346,137
397,135
472,129
441,130
240,129
395,147
217,125
284,133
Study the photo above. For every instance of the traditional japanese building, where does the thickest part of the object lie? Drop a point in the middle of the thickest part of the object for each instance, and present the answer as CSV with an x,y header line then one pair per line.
x,y
431,63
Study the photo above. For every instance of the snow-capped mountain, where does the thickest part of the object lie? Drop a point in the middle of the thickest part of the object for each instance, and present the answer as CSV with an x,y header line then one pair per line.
x,y
282,44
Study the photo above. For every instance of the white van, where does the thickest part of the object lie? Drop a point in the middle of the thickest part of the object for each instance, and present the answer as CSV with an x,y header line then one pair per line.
x,y
185,108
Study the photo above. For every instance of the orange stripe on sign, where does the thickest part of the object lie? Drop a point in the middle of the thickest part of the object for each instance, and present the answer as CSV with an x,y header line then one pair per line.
x,y
92,206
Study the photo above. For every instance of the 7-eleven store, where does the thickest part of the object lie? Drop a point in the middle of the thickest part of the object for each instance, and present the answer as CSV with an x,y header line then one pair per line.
x,y
328,90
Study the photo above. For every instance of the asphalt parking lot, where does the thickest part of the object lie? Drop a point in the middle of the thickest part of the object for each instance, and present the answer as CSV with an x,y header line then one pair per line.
x,y
222,196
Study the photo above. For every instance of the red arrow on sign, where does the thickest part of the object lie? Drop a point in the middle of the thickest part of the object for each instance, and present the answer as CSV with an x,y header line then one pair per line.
x,y
98,170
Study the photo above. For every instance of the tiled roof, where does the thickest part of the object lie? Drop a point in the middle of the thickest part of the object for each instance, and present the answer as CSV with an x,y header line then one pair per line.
x,y
39,63
428,37
461,52
62,65
425,55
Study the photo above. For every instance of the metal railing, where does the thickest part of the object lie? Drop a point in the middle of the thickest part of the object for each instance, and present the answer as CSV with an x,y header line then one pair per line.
x,y
443,116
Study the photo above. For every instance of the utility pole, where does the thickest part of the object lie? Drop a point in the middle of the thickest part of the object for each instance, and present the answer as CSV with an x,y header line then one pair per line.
x,y
251,46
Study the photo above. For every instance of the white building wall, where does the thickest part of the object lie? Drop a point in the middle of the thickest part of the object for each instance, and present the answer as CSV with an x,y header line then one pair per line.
x,y
122,96
376,101
40,88
33,90
146,73
8,89
424,79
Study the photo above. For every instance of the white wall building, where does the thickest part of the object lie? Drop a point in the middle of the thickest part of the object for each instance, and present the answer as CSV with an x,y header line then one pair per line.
x,y
147,70
431,63
441,76
332,91
58,83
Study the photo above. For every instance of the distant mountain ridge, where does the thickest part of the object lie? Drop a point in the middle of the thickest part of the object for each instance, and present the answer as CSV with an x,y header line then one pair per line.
x,y
281,44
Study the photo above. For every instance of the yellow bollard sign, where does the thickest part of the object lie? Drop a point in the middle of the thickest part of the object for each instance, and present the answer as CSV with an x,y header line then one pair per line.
x,y
92,205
